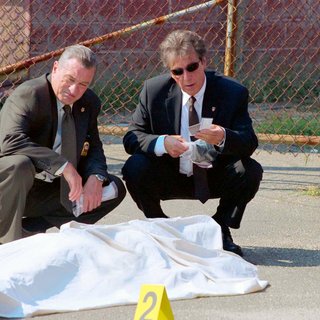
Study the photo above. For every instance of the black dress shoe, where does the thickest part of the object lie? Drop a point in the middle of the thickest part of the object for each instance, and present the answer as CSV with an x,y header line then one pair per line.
x,y
228,243
34,225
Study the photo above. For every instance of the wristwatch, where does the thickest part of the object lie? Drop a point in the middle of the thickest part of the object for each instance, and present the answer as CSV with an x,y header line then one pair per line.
x,y
100,177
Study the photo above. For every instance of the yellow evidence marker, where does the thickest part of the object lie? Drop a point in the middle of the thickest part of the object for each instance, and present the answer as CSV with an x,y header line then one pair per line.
x,y
153,303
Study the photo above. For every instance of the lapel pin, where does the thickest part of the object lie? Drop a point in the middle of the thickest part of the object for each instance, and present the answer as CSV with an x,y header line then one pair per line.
x,y
82,109
213,109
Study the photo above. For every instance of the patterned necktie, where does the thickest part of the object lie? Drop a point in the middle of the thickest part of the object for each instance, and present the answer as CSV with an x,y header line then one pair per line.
x,y
69,151
200,179
193,116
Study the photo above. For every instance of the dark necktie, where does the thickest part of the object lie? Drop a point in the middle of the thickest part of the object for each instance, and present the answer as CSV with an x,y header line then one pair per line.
x,y
200,180
69,151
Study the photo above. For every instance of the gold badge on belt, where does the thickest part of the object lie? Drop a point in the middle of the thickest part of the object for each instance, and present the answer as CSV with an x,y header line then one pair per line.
x,y
85,148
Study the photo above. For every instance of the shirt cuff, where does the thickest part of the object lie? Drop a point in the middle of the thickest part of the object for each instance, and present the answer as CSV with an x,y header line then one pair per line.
x,y
159,148
60,170
222,142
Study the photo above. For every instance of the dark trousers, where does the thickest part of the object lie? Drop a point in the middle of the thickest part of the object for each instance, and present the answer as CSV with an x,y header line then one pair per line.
x,y
150,179
38,202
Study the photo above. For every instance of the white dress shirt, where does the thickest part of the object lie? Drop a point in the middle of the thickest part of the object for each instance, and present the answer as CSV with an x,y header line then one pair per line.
x,y
186,166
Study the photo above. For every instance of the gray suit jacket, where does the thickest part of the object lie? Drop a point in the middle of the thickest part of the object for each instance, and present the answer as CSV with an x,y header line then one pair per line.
x,y
28,125
159,113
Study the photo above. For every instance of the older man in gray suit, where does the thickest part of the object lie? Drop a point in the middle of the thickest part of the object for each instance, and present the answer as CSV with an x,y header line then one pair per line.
x,y
32,166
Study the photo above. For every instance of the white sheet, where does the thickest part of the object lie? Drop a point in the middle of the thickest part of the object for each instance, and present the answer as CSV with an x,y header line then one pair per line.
x,y
84,267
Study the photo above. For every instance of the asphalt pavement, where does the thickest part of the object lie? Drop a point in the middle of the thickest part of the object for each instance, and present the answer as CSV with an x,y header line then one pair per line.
x,y
279,234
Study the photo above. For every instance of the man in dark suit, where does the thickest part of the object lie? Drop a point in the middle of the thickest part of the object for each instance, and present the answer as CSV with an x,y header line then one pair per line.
x,y
33,166
159,137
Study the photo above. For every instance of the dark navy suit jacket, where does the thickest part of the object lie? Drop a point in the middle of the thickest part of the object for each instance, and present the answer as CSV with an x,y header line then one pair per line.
x,y
159,113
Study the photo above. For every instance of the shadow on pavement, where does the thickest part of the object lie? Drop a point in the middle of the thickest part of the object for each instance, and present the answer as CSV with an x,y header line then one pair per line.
x,y
285,170
282,257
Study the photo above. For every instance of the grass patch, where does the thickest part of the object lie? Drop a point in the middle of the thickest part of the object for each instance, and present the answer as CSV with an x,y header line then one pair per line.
x,y
283,89
313,191
307,125
118,94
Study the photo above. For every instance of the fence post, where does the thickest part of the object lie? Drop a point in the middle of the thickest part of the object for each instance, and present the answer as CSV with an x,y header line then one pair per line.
x,y
230,38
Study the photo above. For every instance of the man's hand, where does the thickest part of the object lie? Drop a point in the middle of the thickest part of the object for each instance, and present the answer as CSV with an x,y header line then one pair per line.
x,y
92,194
213,135
175,145
74,181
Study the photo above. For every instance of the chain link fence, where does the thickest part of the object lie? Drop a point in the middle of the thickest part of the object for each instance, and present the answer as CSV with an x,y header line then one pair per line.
x,y
270,46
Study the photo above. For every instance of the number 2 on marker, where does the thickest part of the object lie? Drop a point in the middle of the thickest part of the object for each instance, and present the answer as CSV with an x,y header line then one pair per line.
x,y
153,303
153,297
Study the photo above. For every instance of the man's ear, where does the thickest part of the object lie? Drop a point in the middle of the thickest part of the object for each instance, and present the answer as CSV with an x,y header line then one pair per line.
x,y
55,66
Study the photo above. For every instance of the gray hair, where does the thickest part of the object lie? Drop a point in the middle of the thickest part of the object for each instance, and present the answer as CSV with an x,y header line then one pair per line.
x,y
83,54
179,43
